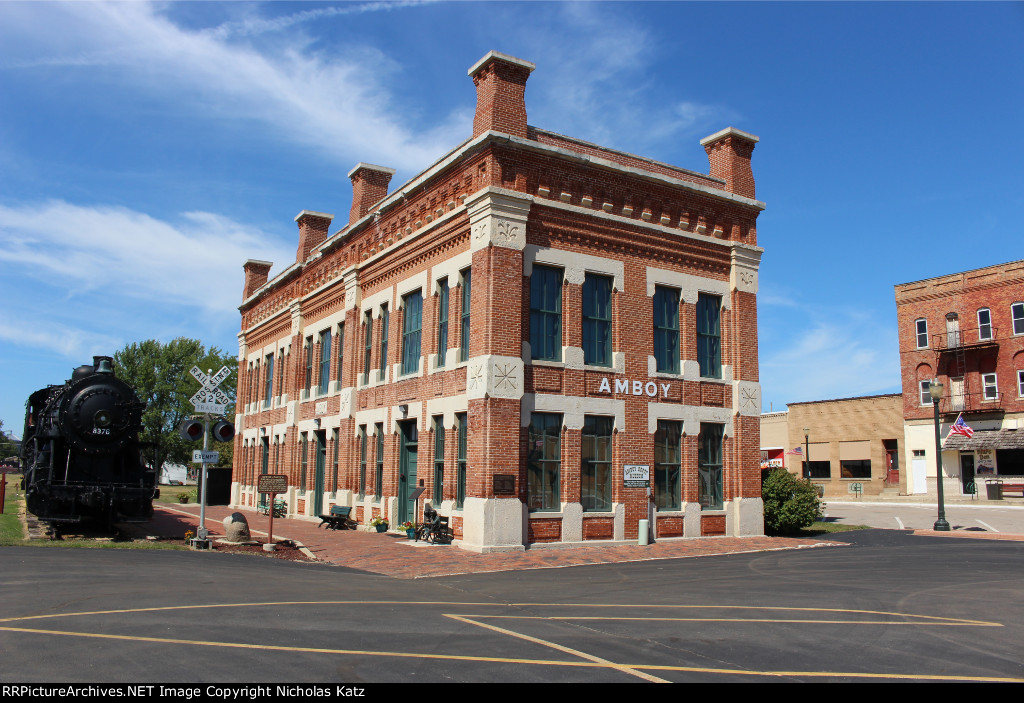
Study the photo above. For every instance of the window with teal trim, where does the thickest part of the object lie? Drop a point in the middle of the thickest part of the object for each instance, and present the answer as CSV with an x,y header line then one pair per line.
x,y
442,324
325,361
462,427
362,461
709,335
466,297
667,465
709,466
597,320
546,313
438,459
378,479
666,329
367,344
384,318
596,463
412,329
544,462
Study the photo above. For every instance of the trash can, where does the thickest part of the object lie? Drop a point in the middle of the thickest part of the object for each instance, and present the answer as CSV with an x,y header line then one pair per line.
x,y
994,490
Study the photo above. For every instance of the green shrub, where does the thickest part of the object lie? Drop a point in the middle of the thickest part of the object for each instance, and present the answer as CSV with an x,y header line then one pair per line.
x,y
789,503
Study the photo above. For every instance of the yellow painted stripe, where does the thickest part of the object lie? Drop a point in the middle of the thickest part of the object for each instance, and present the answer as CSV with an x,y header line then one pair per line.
x,y
761,620
509,660
561,648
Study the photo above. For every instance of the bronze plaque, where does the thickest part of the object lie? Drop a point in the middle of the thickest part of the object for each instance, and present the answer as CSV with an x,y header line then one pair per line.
x,y
272,483
504,484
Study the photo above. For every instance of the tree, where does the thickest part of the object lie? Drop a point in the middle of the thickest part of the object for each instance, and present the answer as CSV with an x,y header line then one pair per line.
x,y
8,446
789,503
160,375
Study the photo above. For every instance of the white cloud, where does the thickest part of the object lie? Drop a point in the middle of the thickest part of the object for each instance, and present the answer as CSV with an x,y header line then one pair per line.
x,y
336,102
123,253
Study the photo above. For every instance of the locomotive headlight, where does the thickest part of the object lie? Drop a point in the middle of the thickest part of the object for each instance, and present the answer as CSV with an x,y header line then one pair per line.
x,y
102,418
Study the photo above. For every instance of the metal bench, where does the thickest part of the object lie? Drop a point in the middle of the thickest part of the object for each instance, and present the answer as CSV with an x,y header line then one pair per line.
x,y
338,519
279,508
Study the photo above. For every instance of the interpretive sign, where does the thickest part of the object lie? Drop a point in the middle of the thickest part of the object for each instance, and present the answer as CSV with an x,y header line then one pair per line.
x,y
636,476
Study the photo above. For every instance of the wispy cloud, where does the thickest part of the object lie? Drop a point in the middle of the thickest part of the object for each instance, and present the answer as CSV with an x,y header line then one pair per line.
x,y
195,261
336,103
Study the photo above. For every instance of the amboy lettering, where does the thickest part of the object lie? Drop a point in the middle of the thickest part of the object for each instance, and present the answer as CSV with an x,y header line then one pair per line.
x,y
627,387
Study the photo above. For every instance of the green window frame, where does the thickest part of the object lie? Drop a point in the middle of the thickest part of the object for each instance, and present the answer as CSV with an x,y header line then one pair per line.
x,y
325,361
304,461
596,463
412,329
378,478
466,308
362,461
709,335
597,320
442,322
668,461
269,391
546,313
438,492
309,363
341,352
709,466
462,428
385,318
666,329
544,463
367,344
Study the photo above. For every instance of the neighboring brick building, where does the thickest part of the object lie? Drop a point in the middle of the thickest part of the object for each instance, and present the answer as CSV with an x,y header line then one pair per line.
x,y
510,330
967,330
854,444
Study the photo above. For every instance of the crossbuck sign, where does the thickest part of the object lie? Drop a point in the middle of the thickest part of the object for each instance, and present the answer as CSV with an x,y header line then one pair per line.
x,y
209,398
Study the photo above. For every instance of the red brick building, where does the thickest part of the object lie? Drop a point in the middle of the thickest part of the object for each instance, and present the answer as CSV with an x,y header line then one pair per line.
x,y
517,329
967,330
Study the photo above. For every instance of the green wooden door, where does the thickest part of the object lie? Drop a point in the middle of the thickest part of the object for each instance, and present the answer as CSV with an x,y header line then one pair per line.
x,y
407,471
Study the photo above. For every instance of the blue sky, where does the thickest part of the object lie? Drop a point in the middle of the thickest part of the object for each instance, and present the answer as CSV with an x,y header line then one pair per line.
x,y
148,149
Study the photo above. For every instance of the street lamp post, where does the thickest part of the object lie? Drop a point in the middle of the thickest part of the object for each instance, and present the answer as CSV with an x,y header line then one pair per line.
x,y
935,391
807,453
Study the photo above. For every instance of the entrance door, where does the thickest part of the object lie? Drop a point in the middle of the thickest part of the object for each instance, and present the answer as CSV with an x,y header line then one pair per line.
x,y
264,464
967,473
318,472
919,471
952,330
407,470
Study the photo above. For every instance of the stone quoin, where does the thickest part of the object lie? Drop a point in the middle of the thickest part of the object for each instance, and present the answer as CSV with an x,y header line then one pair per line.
x,y
510,330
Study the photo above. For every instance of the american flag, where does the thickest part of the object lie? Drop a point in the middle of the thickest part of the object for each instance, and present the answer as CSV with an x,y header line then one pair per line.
x,y
960,427
797,450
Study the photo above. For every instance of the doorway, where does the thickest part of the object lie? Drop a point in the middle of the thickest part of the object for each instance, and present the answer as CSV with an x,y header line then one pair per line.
x,y
407,469
318,472
967,473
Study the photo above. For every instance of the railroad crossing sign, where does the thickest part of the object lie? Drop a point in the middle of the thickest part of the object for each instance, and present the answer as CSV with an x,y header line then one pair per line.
x,y
209,398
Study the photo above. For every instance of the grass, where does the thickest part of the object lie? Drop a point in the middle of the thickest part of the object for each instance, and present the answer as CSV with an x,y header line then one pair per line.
x,y
825,528
169,494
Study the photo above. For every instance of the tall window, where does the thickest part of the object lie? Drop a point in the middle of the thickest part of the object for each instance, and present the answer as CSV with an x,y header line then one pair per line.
x,y
367,344
304,459
1020,383
667,465
666,329
280,373
442,323
309,362
268,393
1017,312
438,459
926,396
544,462
325,361
709,466
462,427
334,461
989,389
341,353
709,335
412,327
362,461
597,320
984,324
378,479
596,463
921,328
466,282
546,313
384,317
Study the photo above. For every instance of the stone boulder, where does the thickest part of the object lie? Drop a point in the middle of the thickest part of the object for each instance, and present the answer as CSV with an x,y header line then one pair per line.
x,y
236,530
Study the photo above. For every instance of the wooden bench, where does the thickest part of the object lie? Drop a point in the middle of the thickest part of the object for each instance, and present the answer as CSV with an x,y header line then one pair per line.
x,y
1014,488
338,519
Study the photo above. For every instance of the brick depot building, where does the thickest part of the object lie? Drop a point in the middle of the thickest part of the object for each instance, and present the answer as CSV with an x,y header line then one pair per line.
x,y
967,330
517,330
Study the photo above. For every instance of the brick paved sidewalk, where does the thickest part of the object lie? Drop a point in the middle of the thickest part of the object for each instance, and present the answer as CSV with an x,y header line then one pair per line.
x,y
394,555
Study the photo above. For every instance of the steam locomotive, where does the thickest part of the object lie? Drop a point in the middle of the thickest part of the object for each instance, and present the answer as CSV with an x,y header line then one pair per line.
x,y
80,451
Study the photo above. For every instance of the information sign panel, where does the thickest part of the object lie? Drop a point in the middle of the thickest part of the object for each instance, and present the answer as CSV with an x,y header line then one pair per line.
x,y
636,476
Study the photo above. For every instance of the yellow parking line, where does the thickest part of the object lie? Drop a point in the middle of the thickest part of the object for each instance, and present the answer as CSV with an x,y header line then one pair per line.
x,y
965,623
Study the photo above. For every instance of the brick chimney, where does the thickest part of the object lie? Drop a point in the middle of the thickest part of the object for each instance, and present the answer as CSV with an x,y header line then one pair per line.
x,y
369,186
256,273
729,154
500,82
312,231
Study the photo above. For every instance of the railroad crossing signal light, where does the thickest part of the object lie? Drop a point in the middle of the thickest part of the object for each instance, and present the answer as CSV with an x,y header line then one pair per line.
x,y
191,430
223,431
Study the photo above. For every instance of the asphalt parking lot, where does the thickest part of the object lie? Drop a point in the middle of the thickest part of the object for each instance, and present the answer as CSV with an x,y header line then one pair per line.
x,y
881,605
982,517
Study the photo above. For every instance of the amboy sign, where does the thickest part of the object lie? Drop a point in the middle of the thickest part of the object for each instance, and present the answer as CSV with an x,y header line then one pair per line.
x,y
627,387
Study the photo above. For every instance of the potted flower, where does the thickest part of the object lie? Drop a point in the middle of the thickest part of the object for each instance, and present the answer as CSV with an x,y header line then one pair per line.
x,y
380,522
409,527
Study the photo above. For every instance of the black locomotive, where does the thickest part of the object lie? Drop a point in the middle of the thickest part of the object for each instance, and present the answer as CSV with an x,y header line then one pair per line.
x,y
80,451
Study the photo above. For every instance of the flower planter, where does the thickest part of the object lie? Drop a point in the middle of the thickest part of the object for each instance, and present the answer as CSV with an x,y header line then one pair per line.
x,y
382,527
